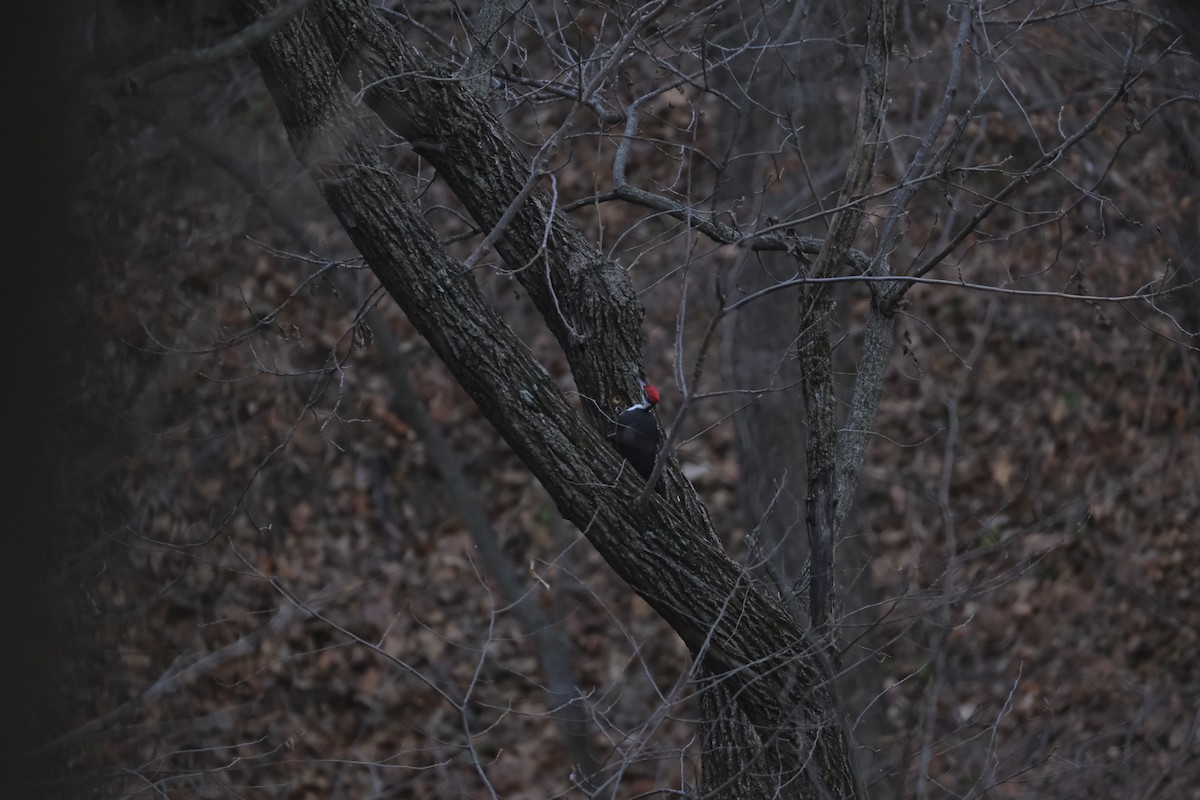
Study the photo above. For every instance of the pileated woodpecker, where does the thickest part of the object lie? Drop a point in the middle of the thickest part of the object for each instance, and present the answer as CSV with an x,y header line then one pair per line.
x,y
636,434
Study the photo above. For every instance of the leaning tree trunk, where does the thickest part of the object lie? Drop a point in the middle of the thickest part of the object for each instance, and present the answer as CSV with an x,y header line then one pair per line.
x,y
786,737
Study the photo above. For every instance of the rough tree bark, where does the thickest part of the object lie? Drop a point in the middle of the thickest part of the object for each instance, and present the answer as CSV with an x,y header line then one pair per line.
x,y
816,305
759,343
783,735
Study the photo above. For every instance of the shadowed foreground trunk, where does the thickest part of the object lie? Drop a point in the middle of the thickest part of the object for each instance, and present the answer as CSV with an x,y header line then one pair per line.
x,y
763,679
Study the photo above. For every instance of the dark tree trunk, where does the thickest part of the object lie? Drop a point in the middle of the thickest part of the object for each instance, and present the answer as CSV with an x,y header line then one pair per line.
x,y
668,552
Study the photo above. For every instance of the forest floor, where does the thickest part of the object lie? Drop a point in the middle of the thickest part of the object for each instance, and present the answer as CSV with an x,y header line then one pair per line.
x,y
274,578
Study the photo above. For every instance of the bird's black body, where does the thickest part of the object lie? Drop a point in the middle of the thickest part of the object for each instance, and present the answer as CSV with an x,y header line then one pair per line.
x,y
636,433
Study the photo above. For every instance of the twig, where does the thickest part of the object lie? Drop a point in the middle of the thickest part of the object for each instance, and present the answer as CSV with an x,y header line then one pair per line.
x,y
254,33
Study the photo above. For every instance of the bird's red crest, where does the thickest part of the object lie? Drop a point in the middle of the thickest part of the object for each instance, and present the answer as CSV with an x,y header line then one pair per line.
x,y
651,394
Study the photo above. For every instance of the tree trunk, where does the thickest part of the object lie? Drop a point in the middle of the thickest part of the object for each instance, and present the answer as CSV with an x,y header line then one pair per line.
x,y
668,552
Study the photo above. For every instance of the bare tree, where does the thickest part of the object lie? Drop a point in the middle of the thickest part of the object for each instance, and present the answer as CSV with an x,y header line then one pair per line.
x,y
930,186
